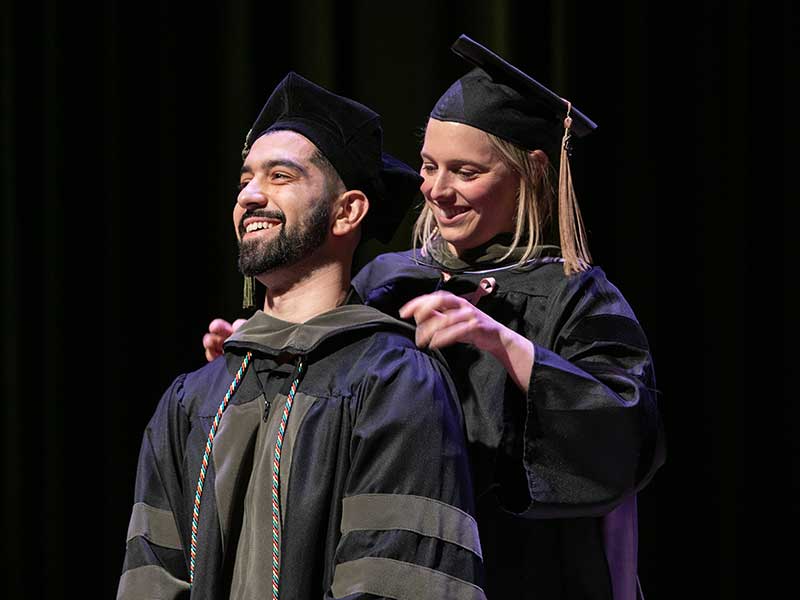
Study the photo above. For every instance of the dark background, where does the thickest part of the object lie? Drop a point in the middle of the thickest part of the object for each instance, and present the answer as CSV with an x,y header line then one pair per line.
x,y
121,131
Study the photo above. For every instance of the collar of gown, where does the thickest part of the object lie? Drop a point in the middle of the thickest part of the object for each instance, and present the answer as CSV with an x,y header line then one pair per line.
x,y
484,257
267,334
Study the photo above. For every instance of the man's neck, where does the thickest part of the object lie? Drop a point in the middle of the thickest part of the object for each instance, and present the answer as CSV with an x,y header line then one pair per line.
x,y
321,288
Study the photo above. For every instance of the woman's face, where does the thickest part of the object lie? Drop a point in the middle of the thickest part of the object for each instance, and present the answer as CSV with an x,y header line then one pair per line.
x,y
471,191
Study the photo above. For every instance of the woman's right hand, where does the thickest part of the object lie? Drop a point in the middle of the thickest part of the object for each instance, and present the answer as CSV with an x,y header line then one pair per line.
x,y
219,330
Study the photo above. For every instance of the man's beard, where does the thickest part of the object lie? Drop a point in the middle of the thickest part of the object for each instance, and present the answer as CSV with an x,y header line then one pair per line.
x,y
289,246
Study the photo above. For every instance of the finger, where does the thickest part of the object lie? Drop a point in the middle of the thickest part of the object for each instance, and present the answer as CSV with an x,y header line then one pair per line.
x,y
213,346
431,328
424,333
427,299
429,324
458,333
238,323
407,310
220,327
422,307
443,320
211,340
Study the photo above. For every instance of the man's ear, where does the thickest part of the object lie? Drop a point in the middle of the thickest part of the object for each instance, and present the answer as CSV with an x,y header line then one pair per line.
x,y
349,210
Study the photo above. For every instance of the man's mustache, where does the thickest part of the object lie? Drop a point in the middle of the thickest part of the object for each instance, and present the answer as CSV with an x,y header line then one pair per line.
x,y
261,213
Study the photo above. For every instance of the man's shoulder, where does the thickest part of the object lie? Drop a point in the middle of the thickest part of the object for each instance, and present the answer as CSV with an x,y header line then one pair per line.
x,y
395,351
385,350
373,338
210,372
206,385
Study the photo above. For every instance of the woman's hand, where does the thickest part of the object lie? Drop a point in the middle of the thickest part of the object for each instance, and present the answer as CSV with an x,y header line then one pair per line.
x,y
444,319
219,330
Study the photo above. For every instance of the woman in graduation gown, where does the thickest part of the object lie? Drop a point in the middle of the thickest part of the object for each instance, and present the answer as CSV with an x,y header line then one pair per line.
x,y
553,369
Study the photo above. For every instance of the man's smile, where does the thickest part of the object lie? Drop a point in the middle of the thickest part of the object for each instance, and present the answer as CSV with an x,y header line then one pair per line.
x,y
254,225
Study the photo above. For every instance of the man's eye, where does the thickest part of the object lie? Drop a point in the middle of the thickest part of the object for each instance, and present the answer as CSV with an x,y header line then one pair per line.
x,y
428,168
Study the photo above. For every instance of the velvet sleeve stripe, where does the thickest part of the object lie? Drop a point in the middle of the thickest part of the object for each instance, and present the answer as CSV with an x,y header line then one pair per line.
x,y
418,514
614,328
389,578
150,582
155,525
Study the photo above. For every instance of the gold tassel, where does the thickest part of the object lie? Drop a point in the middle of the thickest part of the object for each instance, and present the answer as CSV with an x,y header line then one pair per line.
x,y
574,247
249,296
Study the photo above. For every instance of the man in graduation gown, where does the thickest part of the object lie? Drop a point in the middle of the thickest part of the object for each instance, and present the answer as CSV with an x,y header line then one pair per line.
x,y
323,454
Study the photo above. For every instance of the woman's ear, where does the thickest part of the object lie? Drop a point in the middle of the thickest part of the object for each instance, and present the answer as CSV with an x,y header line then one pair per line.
x,y
540,157
349,210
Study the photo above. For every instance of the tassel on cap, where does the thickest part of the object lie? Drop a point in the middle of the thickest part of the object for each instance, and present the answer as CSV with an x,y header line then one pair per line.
x,y
574,247
249,295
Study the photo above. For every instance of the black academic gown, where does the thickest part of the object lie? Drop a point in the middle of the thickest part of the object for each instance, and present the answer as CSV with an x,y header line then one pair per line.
x,y
556,470
374,494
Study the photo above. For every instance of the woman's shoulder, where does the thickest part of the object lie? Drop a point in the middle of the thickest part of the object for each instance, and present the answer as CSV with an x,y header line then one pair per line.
x,y
392,269
549,280
394,263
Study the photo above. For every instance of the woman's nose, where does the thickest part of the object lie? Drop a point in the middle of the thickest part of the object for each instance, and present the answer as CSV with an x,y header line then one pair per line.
x,y
440,190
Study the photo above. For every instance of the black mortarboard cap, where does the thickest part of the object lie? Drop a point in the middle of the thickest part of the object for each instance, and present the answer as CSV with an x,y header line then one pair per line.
x,y
498,98
350,136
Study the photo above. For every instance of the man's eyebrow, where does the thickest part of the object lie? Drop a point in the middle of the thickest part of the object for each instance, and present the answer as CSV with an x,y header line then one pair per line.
x,y
276,162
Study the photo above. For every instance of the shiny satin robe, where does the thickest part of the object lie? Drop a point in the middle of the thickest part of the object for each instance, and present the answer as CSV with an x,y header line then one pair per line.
x,y
557,469
374,491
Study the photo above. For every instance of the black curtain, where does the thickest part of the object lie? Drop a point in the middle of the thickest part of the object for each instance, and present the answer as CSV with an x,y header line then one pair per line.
x,y
121,131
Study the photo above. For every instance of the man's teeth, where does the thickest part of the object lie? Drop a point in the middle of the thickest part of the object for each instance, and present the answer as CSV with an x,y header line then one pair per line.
x,y
260,225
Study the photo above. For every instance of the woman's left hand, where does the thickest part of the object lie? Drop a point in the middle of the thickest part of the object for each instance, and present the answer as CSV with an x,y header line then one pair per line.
x,y
444,319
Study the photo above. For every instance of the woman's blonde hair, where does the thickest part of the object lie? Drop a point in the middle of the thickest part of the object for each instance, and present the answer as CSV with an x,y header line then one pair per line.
x,y
535,207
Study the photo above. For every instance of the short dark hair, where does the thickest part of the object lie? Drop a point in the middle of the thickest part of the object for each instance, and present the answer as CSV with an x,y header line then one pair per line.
x,y
332,179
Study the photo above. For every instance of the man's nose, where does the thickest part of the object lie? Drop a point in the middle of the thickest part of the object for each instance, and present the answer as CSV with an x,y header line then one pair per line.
x,y
251,197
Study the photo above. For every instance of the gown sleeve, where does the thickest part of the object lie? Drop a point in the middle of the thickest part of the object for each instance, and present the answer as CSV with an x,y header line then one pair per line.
x,y
155,563
592,434
408,526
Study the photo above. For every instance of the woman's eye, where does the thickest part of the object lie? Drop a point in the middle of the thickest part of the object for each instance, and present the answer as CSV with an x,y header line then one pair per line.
x,y
466,175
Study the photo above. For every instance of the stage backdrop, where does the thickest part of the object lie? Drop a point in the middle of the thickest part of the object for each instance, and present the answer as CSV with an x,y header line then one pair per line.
x,y
122,126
